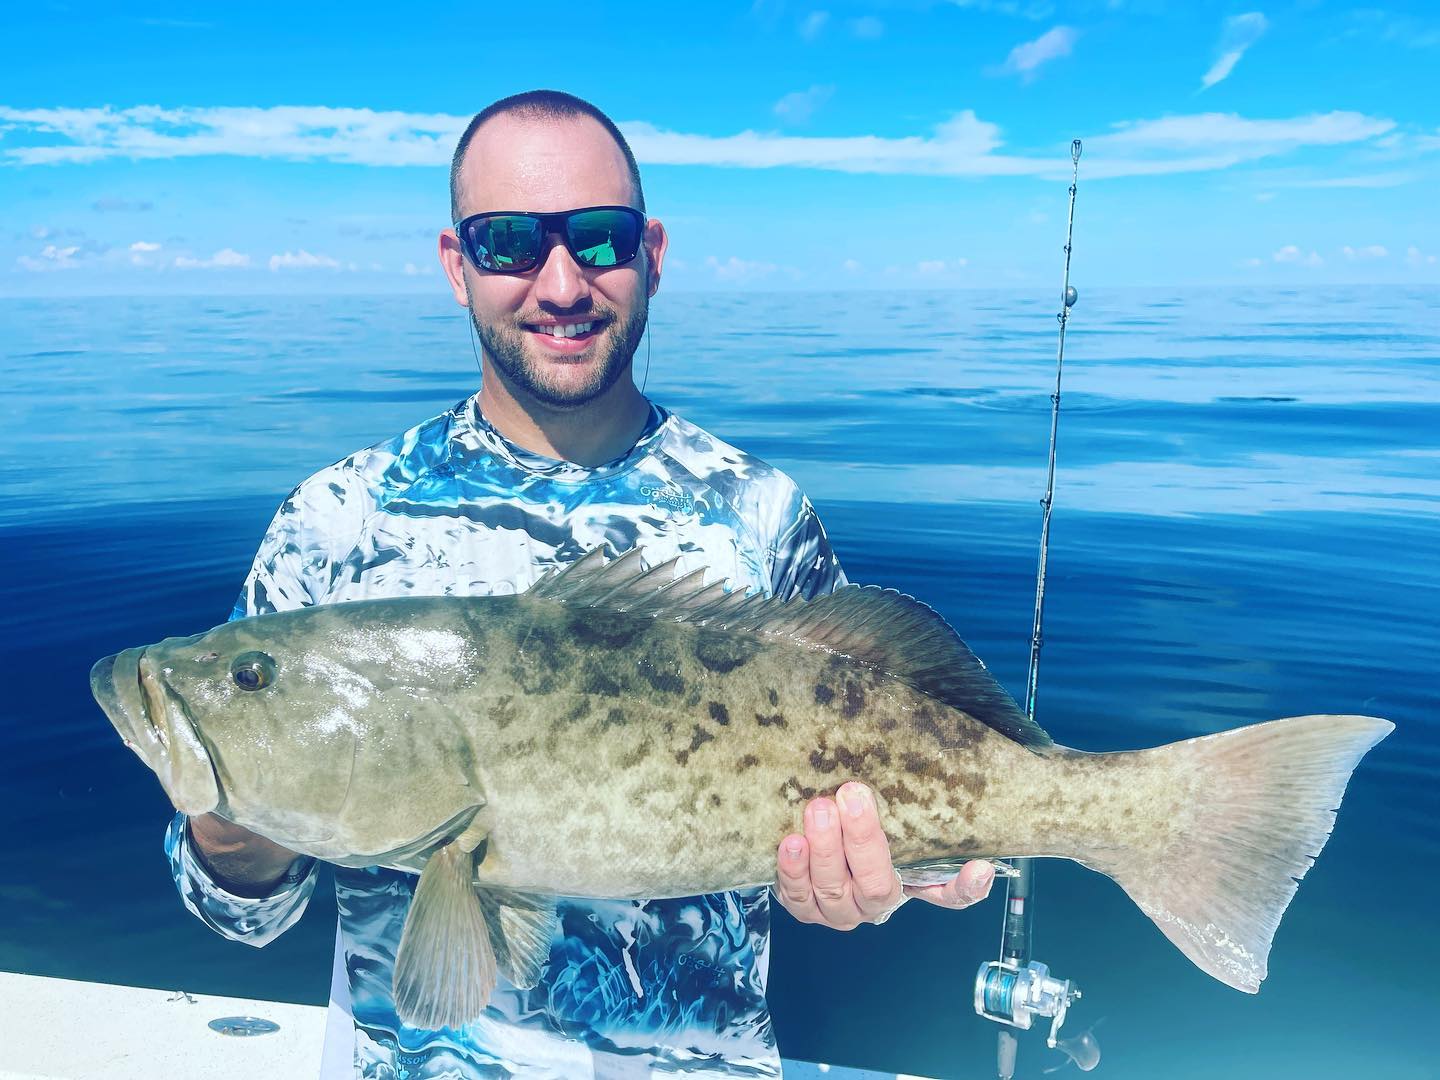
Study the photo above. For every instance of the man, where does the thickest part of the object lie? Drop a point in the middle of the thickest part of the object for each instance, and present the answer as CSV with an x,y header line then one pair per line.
x,y
559,452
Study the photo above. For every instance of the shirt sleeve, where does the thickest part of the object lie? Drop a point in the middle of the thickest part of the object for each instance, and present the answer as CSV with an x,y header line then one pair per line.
x,y
255,921
802,561
293,559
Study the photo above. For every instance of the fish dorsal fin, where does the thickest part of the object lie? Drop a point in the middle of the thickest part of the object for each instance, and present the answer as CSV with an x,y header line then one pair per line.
x,y
887,629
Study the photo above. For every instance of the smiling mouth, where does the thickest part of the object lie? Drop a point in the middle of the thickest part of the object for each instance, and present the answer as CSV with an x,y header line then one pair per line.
x,y
570,334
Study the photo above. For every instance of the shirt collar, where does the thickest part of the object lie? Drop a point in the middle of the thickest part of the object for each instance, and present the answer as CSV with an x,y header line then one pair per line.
x,y
477,436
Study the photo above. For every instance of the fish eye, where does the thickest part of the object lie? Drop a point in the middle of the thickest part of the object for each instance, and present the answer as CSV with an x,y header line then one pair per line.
x,y
252,670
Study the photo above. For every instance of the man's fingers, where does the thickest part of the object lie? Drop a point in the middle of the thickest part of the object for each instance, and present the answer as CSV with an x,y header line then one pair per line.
x,y
829,873
867,852
970,886
792,878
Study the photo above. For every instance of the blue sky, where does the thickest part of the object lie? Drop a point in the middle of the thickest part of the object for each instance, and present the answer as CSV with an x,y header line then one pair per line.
x,y
887,144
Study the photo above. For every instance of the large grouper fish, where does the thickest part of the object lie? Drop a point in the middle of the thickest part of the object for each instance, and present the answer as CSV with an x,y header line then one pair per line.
x,y
622,733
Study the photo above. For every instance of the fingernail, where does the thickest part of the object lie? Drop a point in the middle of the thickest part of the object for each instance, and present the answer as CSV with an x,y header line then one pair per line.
x,y
853,796
793,846
822,817
987,878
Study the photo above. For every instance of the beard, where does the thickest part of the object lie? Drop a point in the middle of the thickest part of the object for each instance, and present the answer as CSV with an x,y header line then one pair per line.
x,y
506,348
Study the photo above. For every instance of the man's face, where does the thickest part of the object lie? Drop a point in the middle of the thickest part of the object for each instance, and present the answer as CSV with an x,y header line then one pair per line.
x,y
514,163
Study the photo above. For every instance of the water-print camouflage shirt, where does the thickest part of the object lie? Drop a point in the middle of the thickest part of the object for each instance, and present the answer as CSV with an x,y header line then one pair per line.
x,y
633,988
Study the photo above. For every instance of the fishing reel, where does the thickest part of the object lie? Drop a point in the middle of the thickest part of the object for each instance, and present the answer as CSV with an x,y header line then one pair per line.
x,y
1013,995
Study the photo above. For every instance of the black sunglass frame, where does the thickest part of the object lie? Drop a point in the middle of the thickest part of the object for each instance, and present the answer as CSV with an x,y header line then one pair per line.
x,y
558,222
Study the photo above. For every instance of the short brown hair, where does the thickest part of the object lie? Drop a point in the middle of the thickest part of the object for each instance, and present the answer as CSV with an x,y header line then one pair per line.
x,y
541,105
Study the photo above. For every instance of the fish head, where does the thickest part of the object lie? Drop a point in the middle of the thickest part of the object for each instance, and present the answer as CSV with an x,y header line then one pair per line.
x,y
252,720
153,721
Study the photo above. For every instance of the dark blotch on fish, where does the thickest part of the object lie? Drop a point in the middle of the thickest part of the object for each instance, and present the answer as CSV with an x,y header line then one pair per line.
x,y
823,694
842,757
503,713
792,791
773,720
719,713
603,633
723,653
597,681
667,682
854,700
697,739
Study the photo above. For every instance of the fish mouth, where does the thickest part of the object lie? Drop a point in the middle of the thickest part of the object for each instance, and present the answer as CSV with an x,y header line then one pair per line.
x,y
152,721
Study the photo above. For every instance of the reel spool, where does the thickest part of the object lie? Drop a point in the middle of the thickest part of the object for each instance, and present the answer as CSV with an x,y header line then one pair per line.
x,y
1014,995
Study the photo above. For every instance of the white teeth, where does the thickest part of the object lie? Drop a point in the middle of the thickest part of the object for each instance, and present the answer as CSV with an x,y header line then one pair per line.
x,y
567,329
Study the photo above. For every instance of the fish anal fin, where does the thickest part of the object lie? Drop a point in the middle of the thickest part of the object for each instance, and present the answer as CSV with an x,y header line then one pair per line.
x,y
445,967
523,926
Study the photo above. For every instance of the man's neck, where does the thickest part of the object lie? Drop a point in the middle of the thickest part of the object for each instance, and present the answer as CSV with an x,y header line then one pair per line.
x,y
591,435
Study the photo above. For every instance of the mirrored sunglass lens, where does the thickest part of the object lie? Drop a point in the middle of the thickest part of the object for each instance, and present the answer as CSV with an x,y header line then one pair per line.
x,y
603,237
505,243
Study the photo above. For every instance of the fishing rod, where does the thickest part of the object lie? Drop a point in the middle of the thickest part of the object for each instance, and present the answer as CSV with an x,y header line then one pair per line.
x,y
1015,989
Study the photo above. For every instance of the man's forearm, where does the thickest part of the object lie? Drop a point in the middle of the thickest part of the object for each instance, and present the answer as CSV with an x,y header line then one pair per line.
x,y
243,862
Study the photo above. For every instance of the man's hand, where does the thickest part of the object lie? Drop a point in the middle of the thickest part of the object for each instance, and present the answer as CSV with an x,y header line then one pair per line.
x,y
839,872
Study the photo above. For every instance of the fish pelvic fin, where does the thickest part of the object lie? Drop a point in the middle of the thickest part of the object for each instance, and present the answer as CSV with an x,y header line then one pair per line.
x,y
1266,807
523,926
445,969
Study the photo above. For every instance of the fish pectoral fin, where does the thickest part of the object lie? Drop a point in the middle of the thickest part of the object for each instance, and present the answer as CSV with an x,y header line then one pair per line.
x,y
523,926
445,967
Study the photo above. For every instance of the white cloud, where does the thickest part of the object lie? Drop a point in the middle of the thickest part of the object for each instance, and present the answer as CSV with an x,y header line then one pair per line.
x,y
411,270
1035,10
1373,180
303,260
1254,262
1292,254
1370,251
851,266
356,136
1264,196
52,257
813,23
1026,59
963,145
1238,34
867,27
1415,257
931,267
798,107
224,259
736,269
144,245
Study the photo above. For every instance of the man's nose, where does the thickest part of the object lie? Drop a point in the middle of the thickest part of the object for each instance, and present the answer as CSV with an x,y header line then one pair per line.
x,y
561,281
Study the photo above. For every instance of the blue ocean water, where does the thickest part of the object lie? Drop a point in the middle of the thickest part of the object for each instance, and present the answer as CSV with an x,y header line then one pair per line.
x,y
1245,528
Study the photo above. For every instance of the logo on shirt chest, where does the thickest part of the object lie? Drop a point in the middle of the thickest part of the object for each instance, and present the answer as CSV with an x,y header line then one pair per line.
x,y
667,496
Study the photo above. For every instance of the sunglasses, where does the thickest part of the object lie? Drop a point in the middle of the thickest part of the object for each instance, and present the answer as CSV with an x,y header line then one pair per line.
x,y
512,242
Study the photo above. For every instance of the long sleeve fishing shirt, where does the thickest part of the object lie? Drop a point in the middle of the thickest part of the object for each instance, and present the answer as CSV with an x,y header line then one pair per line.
x,y
633,988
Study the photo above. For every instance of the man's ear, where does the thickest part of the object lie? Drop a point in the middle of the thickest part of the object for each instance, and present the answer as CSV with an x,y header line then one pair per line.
x,y
656,243
452,261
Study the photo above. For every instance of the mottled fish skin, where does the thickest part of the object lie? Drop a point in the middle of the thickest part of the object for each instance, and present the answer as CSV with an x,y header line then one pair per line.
x,y
612,755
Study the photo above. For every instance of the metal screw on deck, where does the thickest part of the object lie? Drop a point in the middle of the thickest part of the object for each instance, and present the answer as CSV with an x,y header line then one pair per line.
x,y
243,1026
1015,989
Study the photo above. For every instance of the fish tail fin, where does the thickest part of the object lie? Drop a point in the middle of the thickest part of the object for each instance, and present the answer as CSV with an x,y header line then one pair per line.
x,y
1220,882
